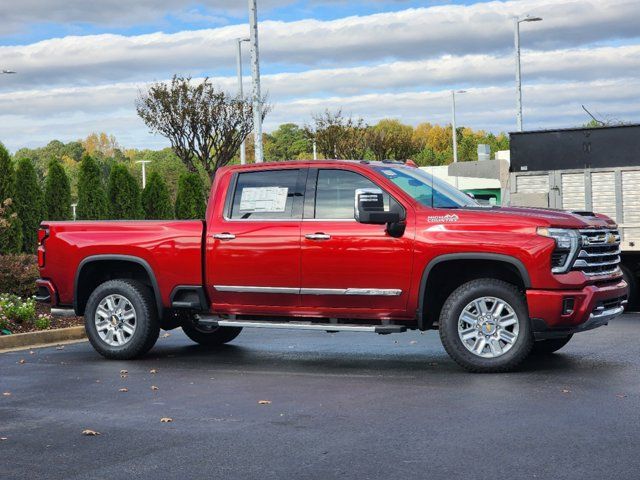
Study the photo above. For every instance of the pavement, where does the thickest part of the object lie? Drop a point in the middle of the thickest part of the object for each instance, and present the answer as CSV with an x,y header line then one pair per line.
x,y
343,405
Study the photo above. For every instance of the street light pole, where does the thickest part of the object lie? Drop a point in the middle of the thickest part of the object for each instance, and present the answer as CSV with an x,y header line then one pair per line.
x,y
243,155
453,127
144,172
255,75
517,21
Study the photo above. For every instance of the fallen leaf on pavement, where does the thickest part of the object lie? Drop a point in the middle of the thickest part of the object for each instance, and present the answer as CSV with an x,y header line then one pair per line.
x,y
166,420
31,352
124,376
60,347
621,395
123,390
6,394
123,372
22,360
413,342
3,438
264,402
90,433
564,390
153,371
166,335
154,388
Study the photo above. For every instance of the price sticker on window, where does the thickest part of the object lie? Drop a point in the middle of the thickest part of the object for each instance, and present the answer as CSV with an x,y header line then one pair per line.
x,y
264,199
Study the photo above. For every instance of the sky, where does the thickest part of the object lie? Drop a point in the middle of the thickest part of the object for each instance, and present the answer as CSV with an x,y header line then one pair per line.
x,y
81,64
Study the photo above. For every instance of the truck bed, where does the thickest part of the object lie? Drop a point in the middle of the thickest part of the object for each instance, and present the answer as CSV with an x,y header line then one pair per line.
x,y
171,249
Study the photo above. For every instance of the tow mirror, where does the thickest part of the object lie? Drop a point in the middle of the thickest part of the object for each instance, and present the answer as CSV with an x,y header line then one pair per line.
x,y
369,208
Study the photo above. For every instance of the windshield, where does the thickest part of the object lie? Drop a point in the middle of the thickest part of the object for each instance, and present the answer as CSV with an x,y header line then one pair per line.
x,y
426,189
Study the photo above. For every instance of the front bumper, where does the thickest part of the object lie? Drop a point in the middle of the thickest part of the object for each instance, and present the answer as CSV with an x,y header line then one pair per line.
x,y
592,307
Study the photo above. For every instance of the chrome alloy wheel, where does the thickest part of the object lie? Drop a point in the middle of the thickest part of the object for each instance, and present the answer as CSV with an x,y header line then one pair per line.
x,y
488,327
115,320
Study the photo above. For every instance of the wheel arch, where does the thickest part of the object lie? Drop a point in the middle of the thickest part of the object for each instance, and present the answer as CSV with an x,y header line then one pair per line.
x,y
511,266
96,269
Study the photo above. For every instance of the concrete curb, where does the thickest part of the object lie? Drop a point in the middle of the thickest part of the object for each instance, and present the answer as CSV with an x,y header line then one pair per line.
x,y
41,339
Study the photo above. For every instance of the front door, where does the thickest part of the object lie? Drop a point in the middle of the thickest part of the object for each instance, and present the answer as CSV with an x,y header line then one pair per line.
x,y
348,268
253,243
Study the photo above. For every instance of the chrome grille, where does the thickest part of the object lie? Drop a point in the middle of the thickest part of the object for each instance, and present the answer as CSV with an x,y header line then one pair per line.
x,y
599,252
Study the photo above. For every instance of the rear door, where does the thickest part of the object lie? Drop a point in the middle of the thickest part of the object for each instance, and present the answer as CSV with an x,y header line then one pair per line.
x,y
349,268
253,243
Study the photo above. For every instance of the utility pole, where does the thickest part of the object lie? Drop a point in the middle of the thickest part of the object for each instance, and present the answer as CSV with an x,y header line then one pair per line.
x,y
243,154
315,150
453,127
144,172
517,21
255,75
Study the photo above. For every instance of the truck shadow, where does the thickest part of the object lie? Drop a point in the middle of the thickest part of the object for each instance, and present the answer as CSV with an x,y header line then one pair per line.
x,y
275,359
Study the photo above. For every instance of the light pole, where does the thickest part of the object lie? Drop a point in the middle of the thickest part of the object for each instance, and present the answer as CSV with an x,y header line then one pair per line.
x,y
315,150
243,155
144,172
517,21
453,127
255,75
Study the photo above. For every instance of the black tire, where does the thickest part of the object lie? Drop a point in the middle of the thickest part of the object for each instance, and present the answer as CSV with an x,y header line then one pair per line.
x,y
210,336
147,325
632,281
459,300
550,345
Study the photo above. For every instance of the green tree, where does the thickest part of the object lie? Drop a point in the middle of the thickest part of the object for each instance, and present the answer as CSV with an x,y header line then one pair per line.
x,y
124,195
288,142
57,193
156,200
29,204
390,139
191,200
92,198
11,233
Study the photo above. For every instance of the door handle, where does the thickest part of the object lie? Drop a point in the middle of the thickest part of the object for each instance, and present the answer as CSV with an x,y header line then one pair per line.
x,y
317,236
224,236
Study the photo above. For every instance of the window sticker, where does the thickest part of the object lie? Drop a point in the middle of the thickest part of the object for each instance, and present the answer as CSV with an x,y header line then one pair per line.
x,y
389,173
264,199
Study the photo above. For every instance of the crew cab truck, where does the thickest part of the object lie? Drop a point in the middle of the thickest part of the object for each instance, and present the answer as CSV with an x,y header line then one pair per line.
x,y
340,246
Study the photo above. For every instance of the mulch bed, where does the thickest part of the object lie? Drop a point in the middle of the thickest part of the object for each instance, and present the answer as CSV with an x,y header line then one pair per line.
x,y
56,322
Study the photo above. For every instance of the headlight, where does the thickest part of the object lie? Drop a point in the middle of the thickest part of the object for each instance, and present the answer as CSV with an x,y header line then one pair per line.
x,y
567,244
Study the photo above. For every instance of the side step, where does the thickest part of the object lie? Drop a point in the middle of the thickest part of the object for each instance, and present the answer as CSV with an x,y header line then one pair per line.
x,y
327,327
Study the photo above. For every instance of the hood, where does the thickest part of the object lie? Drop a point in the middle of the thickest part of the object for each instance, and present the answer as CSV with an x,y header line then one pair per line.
x,y
559,218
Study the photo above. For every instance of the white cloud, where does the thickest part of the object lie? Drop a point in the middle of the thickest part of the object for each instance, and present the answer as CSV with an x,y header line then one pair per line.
x,y
407,35
488,108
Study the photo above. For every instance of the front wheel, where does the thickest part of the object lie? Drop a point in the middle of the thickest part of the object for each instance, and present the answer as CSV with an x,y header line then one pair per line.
x,y
484,326
210,336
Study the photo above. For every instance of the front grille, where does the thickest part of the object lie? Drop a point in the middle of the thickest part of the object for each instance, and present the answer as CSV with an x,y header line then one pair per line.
x,y
599,252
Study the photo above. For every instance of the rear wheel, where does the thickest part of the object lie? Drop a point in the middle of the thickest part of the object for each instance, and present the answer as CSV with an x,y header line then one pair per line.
x,y
121,320
550,345
485,327
210,336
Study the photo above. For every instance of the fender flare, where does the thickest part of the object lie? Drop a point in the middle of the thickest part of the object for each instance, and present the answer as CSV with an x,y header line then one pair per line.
x,y
122,258
496,257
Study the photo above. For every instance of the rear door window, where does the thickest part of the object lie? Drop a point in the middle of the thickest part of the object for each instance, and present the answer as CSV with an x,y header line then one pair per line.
x,y
268,195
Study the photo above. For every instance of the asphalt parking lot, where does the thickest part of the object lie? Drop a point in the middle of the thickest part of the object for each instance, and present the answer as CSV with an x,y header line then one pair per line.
x,y
342,405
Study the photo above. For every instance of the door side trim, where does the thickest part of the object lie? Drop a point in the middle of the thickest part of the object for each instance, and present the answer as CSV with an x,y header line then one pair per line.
x,y
382,292
251,289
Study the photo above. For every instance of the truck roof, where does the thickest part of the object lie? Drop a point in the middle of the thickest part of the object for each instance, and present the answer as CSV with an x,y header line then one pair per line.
x,y
324,162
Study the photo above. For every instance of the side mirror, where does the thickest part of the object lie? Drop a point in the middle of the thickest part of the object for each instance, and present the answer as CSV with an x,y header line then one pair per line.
x,y
369,208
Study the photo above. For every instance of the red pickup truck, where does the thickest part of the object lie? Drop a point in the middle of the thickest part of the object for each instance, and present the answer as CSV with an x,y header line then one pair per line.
x,y
340,246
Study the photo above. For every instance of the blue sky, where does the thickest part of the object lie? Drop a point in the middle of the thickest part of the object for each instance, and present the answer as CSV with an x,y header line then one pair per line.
x,y
81,64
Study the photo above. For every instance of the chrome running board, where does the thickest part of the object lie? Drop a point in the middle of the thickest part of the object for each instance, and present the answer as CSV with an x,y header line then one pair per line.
x,y
213,321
